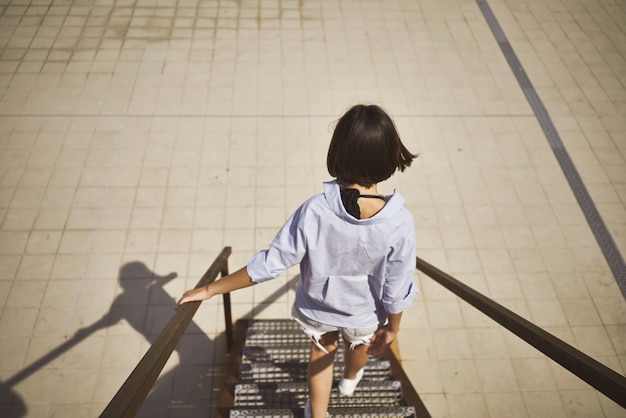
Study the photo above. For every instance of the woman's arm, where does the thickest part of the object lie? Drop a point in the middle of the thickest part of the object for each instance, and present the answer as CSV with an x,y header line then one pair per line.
x,y
235,281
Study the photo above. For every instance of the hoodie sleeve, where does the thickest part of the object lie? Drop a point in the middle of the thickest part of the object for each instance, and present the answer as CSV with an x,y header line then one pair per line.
x,y
399,289
287,249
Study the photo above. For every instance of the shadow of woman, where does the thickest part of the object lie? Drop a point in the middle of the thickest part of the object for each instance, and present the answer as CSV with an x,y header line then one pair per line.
x,y
146,307
186,389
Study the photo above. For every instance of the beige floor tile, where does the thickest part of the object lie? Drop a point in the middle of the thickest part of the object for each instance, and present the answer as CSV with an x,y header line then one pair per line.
x,y
487,343
593,340
534,374
18,322
467,405
145,218
177,218
506,403
103,266
12,242
452,344
40,386
436,404
53,321
536,284
459,376
425,376
142,241
19,219
580,311
76,394
26,294
444,314
81,355
496,375
544,403
580,402
70,242
547,312
13,354
109,242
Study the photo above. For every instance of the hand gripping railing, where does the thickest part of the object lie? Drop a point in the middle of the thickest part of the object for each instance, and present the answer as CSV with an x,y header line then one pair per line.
x,y
134,391
603,379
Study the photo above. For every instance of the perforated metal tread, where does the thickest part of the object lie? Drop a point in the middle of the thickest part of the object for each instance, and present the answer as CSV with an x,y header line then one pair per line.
x,y
285,395
261,354
283,337
272,325
367,412
286,354
297,372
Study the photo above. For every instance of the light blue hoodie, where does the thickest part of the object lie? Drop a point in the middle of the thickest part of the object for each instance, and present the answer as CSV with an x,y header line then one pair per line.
x,y
353,272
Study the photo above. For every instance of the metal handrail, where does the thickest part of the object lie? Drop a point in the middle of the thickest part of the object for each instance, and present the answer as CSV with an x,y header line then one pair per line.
x,y
129,398
602,378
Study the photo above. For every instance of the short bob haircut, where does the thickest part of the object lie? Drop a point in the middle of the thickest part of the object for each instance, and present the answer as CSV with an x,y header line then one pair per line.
x,y
365,148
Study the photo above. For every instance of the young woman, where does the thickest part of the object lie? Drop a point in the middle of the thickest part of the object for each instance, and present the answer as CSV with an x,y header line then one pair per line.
x,y
356,250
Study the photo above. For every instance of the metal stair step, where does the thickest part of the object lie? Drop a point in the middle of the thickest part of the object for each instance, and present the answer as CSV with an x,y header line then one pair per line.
x,y
286,353
289,395
272,325
277,338
296,371
357,412
258,353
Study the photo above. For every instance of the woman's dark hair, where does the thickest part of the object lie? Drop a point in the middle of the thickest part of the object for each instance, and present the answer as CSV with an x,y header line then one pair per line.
x,y
365,148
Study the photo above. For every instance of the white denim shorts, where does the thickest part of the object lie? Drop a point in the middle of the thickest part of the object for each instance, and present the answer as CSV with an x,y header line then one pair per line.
x,y
314,330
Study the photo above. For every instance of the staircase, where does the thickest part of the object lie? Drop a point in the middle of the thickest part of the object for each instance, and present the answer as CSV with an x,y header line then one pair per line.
x,y
268,379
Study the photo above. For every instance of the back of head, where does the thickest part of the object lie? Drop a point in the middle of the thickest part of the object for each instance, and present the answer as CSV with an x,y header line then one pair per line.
x,y
365,148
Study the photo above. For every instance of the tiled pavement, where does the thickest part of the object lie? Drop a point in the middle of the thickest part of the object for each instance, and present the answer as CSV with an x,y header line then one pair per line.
x,y
139,137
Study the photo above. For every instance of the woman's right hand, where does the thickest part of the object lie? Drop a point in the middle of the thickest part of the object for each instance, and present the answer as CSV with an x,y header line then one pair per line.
x,y
193,295
380,341
235,281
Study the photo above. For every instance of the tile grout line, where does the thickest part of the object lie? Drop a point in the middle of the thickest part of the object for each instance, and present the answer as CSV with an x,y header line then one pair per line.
x,y
594,219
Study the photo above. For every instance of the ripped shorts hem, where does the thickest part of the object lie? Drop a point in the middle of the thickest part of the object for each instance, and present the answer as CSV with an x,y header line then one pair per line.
x,y
315,336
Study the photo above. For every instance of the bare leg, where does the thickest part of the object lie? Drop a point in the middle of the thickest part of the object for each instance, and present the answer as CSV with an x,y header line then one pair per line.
x,y
321,374
355,360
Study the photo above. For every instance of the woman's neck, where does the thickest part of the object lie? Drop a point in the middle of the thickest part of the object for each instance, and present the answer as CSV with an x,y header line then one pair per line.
x,y
373,190
367,207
